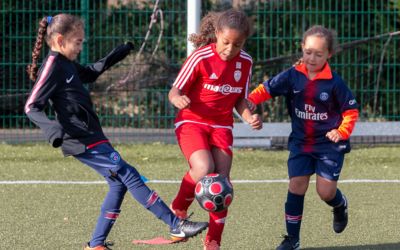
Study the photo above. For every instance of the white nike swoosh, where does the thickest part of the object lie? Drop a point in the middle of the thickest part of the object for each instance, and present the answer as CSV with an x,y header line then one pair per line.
x,y
180,234
70,79
296,91
336,174
220,221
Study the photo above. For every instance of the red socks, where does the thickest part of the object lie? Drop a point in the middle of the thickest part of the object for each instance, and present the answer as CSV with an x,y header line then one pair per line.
x,y
185,197
185,194
216,226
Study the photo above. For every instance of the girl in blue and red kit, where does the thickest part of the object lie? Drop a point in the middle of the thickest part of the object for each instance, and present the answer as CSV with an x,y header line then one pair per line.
x,y
77,129
323,112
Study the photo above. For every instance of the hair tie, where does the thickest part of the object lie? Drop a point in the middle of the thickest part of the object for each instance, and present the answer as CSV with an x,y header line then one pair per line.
x,y
49,18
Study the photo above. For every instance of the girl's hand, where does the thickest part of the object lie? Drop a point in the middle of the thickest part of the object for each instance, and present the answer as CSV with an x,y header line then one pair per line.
x,y
251,105
181,101
255,122
334,135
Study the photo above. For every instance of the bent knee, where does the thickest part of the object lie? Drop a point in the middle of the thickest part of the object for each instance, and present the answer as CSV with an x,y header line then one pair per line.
x,y
298,185
326,195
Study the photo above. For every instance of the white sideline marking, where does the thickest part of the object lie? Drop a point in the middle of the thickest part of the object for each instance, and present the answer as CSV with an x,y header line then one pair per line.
x,y
27,182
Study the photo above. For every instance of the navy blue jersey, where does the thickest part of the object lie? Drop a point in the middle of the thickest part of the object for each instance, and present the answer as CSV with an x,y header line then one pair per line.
x,y
315,107
60,83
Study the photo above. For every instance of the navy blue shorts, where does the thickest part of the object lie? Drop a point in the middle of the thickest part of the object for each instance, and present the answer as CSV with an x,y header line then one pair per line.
x,y
327,165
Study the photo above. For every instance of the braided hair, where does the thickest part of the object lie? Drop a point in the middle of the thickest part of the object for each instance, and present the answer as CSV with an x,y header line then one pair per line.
x,y
63,24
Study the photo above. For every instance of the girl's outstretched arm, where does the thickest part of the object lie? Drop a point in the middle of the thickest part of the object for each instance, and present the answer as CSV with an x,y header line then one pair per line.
x,y
91,72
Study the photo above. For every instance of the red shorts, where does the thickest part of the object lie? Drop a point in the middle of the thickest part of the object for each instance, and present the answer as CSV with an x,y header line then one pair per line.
x,y
193,136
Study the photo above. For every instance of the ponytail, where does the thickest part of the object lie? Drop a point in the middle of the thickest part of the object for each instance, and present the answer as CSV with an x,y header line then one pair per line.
x,y
32,68
63,24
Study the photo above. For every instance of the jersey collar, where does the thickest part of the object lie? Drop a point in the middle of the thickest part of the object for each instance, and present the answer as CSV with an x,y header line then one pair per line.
x,y
325,73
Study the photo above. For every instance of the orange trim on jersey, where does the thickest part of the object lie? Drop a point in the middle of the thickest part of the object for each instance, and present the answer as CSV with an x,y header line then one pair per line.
x,y
349,121
259,95
96,143
325,73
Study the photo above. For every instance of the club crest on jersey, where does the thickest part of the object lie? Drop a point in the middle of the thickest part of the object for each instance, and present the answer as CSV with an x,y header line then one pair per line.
x,y
323,96
114,157
237,75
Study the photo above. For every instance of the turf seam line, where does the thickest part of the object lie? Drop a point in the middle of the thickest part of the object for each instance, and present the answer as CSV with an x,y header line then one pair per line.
x,y
60,182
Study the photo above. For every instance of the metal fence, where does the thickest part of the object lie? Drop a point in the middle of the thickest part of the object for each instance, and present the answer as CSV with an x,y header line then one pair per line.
x,y
368,58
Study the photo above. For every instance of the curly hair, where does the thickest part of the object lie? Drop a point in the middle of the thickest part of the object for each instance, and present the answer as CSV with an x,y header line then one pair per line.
x,y
217,21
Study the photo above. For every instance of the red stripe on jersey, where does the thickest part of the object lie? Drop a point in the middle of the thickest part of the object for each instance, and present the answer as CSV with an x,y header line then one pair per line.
x,y
310,90
190,64
96,143
39,83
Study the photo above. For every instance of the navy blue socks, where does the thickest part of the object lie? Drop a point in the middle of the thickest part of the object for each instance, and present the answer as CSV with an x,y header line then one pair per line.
x,y
337,201
148,198
128,179
293,214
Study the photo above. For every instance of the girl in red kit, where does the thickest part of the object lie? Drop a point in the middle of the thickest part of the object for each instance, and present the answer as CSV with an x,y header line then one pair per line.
x,y
212,82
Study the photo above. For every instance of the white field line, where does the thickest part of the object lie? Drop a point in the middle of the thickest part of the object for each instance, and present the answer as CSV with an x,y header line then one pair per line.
x,y
35,182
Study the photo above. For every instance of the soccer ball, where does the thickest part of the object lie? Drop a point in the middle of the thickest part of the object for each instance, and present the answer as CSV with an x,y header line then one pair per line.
x,y
214,193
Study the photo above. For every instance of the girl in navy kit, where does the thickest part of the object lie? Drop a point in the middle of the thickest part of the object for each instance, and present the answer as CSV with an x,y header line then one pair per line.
x,y
77,129
323,113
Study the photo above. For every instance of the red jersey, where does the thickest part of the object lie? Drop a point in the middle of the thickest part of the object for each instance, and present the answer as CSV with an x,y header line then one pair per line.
x,y
214,86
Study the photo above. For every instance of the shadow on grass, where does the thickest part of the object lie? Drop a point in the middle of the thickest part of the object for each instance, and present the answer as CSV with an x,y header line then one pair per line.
x,y
388,246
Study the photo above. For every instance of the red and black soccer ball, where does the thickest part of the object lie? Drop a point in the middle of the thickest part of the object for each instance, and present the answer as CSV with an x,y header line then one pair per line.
x,y
214,193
